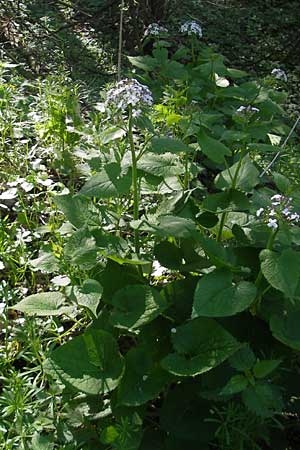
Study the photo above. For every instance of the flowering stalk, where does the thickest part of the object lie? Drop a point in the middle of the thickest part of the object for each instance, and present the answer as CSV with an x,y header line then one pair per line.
x,y
134,179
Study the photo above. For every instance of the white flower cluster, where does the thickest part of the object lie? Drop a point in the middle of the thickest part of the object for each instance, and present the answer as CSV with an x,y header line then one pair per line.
x,y
129,92
279,74
246,110
191,27
155,29
280,209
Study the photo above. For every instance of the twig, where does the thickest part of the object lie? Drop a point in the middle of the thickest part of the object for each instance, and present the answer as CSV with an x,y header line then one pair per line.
x,y
282,147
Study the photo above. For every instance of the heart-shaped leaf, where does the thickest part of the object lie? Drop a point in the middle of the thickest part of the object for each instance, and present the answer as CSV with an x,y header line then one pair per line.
x,y
217,296
44,304
90,363
200,345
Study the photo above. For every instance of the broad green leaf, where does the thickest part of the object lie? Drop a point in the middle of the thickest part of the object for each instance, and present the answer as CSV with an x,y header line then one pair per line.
x,y
81,249
44,304
244,359
232,200
136,305
184,415
90,363
263,399
282,271
169,255
167,225
282,182
46,262
169,145
200,345
236,384
143,380
285,327
89,295
78,210
217,296
146,63
42,442
111,134
160,165
208,219
263,368
246,179
213,149
110,182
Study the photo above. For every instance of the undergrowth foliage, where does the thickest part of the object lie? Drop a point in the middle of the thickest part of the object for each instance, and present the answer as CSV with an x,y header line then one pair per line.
x,y
178,265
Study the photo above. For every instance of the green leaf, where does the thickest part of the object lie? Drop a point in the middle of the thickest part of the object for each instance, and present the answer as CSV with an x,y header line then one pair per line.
x,y
235,385
213,149
282,182
200,345
110,182
169,255
169,145
282,271
109,435
184,416
143,379
146,63
111,134
136,305
244,359
247,176
46,262
40,442
166,226
262,399
78,210
89,295
285,327
81,249
263,368
90,363
44,304
160,165
208,219
229,200
217,296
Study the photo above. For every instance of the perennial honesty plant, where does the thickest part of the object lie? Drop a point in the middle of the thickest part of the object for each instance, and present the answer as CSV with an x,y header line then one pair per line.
x,y
129,92
279,74
191,28
280,210
155,29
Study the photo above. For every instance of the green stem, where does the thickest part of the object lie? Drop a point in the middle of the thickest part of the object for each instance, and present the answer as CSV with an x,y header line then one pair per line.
x,y
186,173
134,181
233,186
259,278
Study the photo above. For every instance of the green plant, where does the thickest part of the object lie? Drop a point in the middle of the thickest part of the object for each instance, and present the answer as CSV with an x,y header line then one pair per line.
x,y
155,359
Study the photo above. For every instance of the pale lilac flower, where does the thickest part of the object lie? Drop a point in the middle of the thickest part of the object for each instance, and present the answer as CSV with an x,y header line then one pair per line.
x,y
272,224
155,29
259,212
157,269
191,27
246,110
129,92
279,74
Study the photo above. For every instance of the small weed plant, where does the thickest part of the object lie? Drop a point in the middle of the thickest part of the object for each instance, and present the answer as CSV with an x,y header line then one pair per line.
x,y
172,320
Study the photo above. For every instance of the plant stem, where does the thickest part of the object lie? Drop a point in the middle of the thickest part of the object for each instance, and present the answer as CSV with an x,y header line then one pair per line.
x,y
233,186
259,277
134,181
